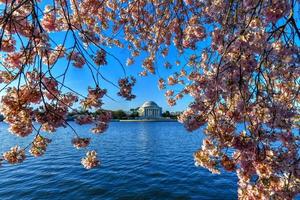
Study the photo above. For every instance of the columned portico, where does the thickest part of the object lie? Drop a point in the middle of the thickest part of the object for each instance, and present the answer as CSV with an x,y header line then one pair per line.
x,y
150,110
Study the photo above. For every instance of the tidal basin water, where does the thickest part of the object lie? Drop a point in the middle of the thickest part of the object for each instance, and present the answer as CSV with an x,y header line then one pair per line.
x,y
139,160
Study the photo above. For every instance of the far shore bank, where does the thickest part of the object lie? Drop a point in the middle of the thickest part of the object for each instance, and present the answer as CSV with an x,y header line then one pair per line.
x,y
130,120
144,120
71,118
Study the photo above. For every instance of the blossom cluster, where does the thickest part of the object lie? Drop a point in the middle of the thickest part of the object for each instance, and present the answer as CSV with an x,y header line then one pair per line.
x,y
39,146
49,19
51,117
77,58
100,58
80,142
94,98
90,160
126,85
84,119
102,121
237,60
14,155
8,45
16,110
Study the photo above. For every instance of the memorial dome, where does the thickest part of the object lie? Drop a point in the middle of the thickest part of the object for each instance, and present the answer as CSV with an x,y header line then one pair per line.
x,y
149,104
150,110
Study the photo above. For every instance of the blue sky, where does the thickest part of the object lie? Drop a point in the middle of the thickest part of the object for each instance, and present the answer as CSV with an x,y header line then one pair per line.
x,y
145,89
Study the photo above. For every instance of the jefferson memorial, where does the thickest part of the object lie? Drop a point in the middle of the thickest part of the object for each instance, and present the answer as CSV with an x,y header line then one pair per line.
x,y
150,110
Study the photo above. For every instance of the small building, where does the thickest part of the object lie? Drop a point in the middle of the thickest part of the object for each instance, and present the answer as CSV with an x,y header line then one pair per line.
x,y
150,110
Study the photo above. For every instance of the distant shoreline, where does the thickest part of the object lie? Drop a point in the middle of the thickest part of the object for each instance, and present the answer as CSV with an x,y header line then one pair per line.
x,y
71,118
126,120
144,120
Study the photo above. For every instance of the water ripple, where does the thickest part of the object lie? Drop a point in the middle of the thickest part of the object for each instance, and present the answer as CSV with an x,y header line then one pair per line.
x,y
138,161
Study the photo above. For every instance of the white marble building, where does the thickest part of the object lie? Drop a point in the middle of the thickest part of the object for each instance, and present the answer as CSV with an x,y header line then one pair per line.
x,y
150,110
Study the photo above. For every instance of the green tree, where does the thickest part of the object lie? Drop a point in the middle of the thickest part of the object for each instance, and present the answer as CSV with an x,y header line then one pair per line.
x,y
119,114
134,112
166,114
